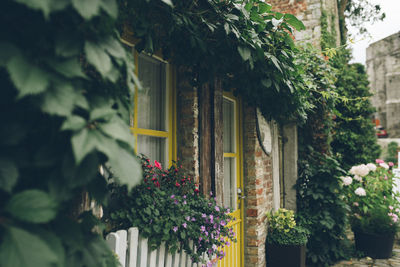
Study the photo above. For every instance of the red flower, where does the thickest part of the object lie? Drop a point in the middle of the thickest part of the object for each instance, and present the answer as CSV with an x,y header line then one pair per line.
x,y
157,164
177,184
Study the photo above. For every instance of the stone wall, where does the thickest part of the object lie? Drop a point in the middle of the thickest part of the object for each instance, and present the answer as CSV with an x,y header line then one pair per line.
x,y
383,69
310,12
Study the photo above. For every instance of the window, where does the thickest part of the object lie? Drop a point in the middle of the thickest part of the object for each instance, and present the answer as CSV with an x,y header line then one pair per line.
x,y
229,109
153,117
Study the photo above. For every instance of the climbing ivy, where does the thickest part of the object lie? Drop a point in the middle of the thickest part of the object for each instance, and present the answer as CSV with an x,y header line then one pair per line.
x,y
65,91
246,44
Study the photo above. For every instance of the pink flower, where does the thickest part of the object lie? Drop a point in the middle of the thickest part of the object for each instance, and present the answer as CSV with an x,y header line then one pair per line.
x,y
390,207
391,164
379,161
175,228
157,164
356,204
184,225
216,208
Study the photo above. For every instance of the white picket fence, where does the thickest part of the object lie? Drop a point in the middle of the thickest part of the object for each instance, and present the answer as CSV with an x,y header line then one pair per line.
x,y
133,251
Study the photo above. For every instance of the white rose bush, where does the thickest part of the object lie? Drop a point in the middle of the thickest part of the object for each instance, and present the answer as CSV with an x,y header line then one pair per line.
x,y
373,205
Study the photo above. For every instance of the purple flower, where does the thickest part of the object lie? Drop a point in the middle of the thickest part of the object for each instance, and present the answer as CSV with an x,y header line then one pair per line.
x,y
176,202
184,202
172,196
187,218
193,219
216,208
223,223
184,196
203,215
184,225
175,228
202,228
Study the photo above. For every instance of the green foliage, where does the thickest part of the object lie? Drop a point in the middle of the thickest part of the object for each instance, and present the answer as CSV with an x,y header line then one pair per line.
x,y
245,44
320,206
283,230
392,152
354,140
328,36
167,207
64,107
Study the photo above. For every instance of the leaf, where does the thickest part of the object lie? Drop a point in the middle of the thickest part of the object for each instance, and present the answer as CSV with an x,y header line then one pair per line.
x,y
42,5
266,82
244,52
59,100
98,57
33,206
7,51
263,7
87,8
27,78
8,174
102,113
117,129
69,68
295,22
73,123
111,7
114,48
82,144
20,248
125,165
168,2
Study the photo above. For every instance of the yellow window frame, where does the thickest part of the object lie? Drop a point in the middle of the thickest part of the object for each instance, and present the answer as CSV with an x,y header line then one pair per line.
x,y
170,133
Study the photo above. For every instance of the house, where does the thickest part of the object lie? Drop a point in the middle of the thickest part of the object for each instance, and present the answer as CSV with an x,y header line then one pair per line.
x,y
249,163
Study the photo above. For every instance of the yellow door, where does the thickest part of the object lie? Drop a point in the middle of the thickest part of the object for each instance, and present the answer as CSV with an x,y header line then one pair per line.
x,y
233,178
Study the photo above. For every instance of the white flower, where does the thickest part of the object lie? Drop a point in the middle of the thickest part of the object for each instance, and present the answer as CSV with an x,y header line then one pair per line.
x,y
384,165
357,178
360,191
360,170
347,180
371,166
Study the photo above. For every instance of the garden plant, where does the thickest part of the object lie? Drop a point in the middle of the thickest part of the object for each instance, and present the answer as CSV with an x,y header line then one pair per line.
x,y
168,207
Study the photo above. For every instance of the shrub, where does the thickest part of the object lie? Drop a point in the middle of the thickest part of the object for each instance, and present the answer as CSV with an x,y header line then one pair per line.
x,y
392,152
283,229
168,207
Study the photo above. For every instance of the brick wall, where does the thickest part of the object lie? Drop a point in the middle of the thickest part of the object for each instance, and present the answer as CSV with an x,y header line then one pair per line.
x,y
187,123
258,191
309,12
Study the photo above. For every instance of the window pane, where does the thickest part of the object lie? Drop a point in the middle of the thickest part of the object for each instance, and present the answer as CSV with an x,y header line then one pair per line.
x,y
152,98
153,147
230,183
228,110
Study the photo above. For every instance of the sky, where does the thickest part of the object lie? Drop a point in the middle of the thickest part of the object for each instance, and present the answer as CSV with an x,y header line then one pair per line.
x,y
378,30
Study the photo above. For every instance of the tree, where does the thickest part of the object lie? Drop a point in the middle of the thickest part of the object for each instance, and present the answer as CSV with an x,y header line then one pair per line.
x,y
354,141
356,13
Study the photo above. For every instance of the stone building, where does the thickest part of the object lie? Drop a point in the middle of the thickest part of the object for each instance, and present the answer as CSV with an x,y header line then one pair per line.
x,y
383,69
248,162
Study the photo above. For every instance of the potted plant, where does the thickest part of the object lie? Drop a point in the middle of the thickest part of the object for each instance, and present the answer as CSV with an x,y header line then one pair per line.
x,y
374,207
286,241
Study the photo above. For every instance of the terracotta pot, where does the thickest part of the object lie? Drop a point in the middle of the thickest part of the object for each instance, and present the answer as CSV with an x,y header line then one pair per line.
x,y
285,255
376,246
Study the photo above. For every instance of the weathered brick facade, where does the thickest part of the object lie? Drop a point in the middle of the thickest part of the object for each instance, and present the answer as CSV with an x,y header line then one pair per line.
x,y
258,189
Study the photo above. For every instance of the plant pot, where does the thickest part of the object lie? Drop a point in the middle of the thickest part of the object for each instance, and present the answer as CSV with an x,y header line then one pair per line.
x,y
376,246
285,255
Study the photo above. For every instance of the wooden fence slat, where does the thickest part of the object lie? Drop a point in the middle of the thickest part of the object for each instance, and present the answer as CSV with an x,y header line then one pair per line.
x,y
114,242
161,255
133,242
168,262
123,235
143,251
177,257
153,258
183,259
